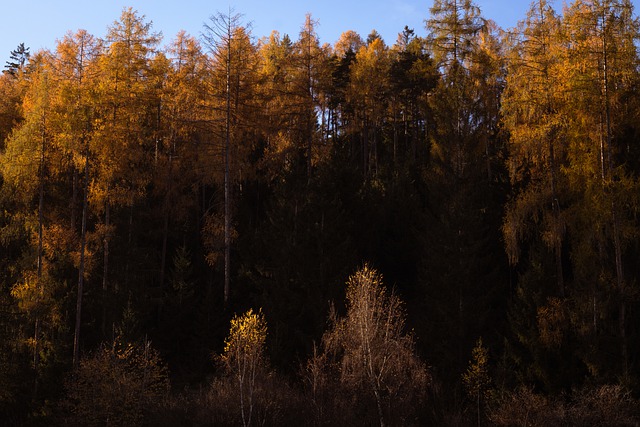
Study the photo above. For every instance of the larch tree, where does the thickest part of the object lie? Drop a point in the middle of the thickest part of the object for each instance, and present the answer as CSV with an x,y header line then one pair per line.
x,y
10,99
602,63
488,73
234,69
275,74
75,69
453,29
533,117
367,93
180,136
412,77
341,115
122,144
31,167
308,72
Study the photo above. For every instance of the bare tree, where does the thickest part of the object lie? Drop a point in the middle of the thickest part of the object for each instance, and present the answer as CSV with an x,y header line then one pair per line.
x,y
371,350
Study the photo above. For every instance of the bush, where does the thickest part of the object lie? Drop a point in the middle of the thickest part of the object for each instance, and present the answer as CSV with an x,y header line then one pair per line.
x,y
607,405
120,384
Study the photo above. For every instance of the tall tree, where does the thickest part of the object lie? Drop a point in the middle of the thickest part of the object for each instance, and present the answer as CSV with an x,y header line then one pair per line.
x,y
463,205
76,69
123,143
308,73
11,92
412,77
233,64
180,136
602,60
534,120
32,167
367,93
18,60
453,28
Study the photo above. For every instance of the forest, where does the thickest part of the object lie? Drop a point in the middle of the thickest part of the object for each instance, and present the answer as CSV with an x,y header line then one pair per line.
x,y
227,229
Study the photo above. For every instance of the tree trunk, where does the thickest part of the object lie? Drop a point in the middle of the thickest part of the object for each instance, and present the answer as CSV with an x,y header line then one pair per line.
x,y
227,175
105,267
74,198
557,249
614,209
36,332
83,238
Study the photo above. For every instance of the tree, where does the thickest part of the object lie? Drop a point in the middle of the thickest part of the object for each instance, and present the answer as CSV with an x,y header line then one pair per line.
x,y
372,350
461,279
123,144
19,58
602,63
309,73
532,114
349,41
487,73
75,68
233,66
11,92
476,379
180,136
27,164
453,28
244,358
367,93
120,383
412,76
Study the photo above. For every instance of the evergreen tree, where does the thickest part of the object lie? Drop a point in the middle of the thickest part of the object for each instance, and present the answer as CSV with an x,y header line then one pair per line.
x,y
18,60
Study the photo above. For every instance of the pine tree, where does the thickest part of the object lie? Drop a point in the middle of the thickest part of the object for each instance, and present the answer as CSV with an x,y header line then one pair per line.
x,y
18,60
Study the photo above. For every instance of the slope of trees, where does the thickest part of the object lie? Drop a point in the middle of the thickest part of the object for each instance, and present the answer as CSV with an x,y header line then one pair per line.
x,y
150,192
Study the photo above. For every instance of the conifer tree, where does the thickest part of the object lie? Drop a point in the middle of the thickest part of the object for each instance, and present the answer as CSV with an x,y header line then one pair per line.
x,y
233,66
19,58
532,104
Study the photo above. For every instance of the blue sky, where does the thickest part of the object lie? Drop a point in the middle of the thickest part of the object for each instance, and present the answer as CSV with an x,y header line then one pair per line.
x,y
38,23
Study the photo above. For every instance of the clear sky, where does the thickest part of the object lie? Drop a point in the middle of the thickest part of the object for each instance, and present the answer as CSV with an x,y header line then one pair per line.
x,y
39,23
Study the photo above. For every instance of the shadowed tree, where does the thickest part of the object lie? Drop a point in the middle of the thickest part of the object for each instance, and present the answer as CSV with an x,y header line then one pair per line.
x,y
233,67
371,352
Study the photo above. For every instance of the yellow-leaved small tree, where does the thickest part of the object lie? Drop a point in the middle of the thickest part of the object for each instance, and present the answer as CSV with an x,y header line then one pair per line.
x,y
476,379
243,356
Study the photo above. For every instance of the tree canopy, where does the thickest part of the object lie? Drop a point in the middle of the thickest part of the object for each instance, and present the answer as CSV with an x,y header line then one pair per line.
x,y
151,188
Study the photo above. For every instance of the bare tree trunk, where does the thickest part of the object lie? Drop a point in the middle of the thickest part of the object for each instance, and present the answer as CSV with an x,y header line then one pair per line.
x,y
165,233
36,332
105,266
227,174
74,198
620,282
76,337
557,249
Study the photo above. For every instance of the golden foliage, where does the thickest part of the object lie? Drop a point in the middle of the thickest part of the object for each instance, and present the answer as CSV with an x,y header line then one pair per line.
x,y
476,378
213,237
243,358
246,339
552,322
